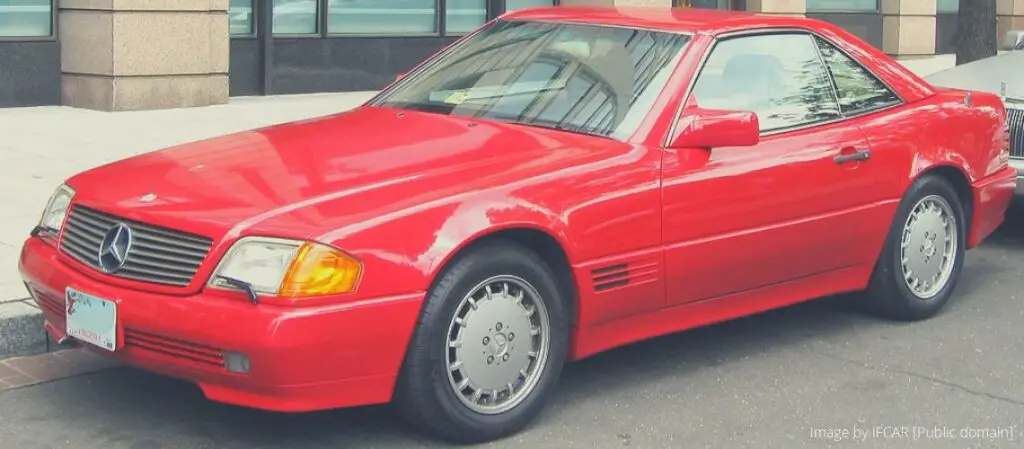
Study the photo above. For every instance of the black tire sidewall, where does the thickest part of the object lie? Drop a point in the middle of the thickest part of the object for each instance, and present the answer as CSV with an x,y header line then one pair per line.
x,y
426,377
890,291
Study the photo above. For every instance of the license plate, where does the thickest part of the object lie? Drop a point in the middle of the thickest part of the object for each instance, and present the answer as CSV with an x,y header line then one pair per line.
x,y
91,319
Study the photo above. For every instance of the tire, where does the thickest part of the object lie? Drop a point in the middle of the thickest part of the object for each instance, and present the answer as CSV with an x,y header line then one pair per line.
x,y
889,292
426,390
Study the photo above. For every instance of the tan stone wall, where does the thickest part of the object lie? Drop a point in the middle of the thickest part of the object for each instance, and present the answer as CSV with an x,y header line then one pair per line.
x,y
909,7
119,55
781,7
1010,17
908,27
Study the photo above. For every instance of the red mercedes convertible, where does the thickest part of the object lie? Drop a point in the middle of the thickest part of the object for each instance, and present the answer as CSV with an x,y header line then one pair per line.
x,y
560,182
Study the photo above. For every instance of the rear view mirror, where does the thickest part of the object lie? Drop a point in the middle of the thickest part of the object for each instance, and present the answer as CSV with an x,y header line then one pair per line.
x,y
1014,40
711,128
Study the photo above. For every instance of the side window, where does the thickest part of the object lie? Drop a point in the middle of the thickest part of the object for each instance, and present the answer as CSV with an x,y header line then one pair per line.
x,y
859,90
777,76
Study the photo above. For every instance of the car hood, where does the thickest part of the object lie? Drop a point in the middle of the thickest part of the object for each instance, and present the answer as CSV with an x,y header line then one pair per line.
x,y
986,75
306,178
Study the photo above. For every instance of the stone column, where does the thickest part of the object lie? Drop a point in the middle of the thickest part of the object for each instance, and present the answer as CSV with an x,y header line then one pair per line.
x,y
1010,17
121,55
796,8
908,27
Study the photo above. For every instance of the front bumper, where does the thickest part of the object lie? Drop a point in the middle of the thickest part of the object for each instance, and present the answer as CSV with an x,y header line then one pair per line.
x,y
301,359
992,197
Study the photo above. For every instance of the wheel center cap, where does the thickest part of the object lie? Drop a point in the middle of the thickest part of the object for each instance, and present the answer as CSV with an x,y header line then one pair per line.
x,y
929,247
499,344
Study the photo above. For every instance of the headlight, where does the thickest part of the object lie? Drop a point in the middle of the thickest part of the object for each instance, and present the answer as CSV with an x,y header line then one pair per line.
x,y
57,209
287,268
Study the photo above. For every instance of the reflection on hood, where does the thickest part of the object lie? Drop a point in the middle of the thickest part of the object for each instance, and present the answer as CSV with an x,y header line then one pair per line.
x,y
986,75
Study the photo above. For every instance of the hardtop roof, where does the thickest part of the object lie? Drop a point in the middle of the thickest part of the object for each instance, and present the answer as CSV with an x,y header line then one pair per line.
x,y
686,20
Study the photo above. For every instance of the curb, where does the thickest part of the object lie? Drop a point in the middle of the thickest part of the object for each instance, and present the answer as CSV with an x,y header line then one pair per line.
x,y
20,372
21,330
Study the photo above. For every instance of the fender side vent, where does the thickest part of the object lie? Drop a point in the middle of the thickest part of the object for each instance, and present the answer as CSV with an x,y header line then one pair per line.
x,y
610,277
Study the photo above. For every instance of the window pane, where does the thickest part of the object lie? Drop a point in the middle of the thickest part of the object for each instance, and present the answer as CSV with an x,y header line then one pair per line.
x,y
858,89
512,5
948,6
842,5
295,16
241,18
382,16
712,4
579,78
464,16
779,77
25,18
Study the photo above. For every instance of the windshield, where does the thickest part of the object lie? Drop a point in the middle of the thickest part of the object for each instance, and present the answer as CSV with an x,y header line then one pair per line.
x,y
589,79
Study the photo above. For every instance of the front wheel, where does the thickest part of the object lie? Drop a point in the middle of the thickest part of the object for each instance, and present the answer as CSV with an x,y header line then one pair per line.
x,y
489,347
923,254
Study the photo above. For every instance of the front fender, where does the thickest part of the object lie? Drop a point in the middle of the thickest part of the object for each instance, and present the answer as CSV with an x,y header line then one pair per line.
x,y
403,251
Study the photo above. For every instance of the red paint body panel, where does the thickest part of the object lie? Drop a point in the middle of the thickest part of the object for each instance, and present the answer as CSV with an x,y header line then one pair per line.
x,y
595,339
699,235
992,197
302,359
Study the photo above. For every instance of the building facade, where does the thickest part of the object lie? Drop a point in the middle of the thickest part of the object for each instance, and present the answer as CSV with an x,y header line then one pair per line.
x,y
146,54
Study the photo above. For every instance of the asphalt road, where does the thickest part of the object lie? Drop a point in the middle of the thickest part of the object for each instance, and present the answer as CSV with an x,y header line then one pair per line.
x,y
811,376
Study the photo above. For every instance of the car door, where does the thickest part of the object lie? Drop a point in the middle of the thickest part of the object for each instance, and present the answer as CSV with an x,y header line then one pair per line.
x,y
867,102
792,206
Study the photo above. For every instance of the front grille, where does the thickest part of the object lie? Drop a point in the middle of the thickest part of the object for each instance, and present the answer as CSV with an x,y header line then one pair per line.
x,y
135,339
1015,121
47,302
158,255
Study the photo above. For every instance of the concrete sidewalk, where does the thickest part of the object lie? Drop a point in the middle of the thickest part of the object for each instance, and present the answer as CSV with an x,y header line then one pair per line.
x,y
41,147
927,65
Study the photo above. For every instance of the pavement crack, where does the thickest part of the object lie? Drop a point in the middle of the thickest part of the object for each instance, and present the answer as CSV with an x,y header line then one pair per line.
x,y
935,380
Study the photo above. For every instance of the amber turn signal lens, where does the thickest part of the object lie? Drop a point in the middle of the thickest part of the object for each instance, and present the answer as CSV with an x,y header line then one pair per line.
x,y
320,270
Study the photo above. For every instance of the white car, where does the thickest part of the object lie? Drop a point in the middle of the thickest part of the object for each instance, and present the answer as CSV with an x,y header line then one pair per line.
x,y
1002,74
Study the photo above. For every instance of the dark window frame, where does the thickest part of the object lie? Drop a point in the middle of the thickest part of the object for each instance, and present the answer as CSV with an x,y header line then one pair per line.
x,y
946,24
255,19
872,23
939,10
495,8
876,10
727,5
54,30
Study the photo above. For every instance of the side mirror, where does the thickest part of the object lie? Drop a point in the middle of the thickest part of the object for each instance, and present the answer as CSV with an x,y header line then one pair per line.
x,y
1014,40
399,76
711,128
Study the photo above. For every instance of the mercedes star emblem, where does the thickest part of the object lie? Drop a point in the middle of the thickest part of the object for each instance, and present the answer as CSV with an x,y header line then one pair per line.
x,y
114,249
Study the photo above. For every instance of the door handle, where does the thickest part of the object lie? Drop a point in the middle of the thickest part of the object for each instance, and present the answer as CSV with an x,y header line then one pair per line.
x,y
858,155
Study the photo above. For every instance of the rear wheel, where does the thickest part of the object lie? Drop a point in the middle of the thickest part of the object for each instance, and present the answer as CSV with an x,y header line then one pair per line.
x,y
488,349
924,253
